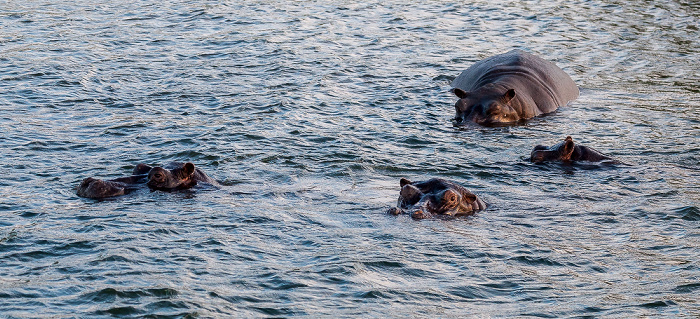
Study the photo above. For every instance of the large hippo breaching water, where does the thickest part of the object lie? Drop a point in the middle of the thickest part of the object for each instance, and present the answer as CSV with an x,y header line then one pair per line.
x,y
511,87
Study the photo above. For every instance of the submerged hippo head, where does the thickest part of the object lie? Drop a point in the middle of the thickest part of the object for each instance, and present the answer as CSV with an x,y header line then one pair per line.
x,y
435,197
97,188
562,151
486,106
566,151
174,176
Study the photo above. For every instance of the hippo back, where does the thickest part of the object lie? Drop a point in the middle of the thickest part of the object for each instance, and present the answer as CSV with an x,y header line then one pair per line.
x,y
538,83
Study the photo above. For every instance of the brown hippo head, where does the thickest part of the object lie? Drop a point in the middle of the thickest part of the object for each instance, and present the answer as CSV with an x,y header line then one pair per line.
x,y
567,151
97,188
485,106
561,151
435,198
174,176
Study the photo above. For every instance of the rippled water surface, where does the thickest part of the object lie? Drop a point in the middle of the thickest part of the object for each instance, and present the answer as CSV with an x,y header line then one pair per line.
x,y
309,113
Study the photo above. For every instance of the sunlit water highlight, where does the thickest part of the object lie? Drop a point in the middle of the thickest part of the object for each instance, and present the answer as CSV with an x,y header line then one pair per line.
x,y
310,113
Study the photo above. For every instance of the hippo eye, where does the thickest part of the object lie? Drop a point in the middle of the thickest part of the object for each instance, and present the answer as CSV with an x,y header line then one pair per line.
x,y
450,197
158,176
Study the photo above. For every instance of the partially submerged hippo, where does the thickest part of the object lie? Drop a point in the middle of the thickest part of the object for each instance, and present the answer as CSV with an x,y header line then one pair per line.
x,y
435,198
510,87
566,151
174,176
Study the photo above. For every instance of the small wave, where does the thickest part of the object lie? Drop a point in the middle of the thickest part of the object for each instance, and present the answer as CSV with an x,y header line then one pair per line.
x,y
535,261
687,288
657,304
110,259
111,294
120,311
470,292
372,294
691,213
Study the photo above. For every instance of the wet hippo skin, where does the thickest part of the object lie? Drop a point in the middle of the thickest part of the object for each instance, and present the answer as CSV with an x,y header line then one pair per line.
x,y
174,176
507,88
435,198
566,151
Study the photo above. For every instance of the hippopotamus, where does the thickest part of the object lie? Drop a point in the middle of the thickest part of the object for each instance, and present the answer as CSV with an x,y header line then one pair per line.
x,y
566,151
508,88
174,176
435,197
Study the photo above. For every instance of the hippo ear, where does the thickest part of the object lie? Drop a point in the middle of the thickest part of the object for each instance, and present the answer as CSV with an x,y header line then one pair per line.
x,y
468,197
460,93
509,95
141,169
188,168
404,182
568,148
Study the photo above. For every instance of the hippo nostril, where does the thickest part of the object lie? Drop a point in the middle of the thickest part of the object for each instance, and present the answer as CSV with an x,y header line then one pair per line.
x,y
419,214
394,211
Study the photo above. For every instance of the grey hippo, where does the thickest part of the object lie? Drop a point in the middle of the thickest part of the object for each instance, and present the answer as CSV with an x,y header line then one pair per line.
x,y
174,176
435,197
507,88
566,151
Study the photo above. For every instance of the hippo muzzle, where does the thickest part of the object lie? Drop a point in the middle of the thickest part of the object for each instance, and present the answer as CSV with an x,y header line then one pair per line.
x,y
435,198
487,109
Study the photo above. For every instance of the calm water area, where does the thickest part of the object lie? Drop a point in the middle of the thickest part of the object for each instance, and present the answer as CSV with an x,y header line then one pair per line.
x,y
309,113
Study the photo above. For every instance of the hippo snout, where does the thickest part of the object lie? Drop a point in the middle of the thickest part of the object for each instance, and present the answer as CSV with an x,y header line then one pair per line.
x,y
478,204
475,117
537,157
395,211
435,198
419,214
423,209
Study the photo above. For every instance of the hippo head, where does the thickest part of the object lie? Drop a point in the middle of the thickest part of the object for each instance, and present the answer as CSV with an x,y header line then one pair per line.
x,y
182,177
486,106
97,188
435,198
559,152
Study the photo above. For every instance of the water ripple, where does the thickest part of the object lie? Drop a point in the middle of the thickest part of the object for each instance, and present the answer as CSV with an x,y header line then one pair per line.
x,y
310,113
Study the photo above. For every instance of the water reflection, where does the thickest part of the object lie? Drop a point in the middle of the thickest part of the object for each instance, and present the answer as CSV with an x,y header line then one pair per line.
x,y
311,112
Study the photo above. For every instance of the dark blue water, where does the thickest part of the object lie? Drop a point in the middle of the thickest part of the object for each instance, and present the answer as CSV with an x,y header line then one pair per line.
x,y
310,113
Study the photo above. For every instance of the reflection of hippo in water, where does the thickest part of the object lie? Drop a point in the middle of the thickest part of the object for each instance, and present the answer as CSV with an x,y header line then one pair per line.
x,y
510,87
435,197
174,176
566,151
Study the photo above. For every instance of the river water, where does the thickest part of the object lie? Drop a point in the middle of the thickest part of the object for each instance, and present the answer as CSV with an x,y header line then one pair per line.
x,y
309,113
